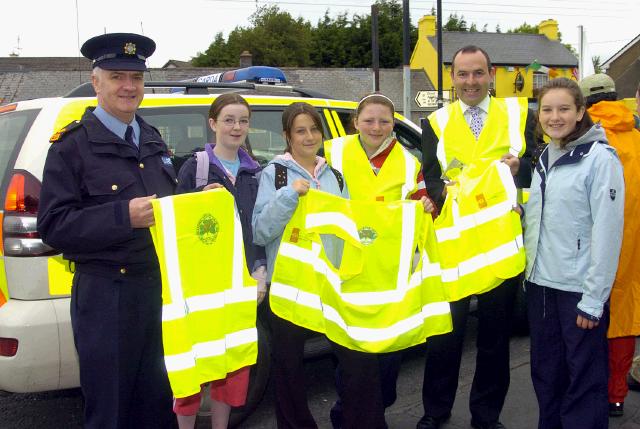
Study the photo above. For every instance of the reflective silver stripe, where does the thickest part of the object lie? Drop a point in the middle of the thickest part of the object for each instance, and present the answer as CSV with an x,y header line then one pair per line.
x,y
507,181
207,349
171,250
482,260
409,173
177,310
179,304
337,152
442,117
515,136
237,274
463,223
358,333
406,245
357,298
380,334
311,257
341,220
470,221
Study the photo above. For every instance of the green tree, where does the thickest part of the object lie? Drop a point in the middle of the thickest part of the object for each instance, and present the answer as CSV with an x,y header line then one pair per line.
x,y
597,64
525,28
455,23
274,38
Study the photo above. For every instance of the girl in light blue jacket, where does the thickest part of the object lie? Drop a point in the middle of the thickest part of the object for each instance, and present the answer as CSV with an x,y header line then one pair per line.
x,y
573,232
282,182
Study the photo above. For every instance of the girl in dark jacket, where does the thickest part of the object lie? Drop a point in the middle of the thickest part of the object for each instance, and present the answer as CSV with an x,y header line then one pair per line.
x,y
231,167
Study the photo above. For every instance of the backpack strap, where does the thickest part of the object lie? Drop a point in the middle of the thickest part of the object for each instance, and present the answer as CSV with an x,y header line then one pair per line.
x,y
202,168
339,178
280,179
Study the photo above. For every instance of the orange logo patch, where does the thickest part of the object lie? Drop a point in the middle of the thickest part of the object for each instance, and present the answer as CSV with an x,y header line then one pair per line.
x,y
482,202
295,235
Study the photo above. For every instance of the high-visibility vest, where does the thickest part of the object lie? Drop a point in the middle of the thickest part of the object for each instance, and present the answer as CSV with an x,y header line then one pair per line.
x,y
502,132
479,235
208,296
374,301
396,180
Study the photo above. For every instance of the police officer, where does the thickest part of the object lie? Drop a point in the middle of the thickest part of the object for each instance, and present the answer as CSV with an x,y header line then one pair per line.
x,y
99,177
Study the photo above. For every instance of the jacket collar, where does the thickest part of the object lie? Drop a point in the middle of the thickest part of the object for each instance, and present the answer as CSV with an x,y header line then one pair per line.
x,y
246,162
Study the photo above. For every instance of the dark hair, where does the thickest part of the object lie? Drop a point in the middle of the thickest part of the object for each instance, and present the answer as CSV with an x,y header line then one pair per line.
x,y
225,100
291,112
583,125
602,96
374,98
470,49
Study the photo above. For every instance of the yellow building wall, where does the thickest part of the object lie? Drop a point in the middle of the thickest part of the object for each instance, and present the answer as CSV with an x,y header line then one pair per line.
x,y
425,57
506,76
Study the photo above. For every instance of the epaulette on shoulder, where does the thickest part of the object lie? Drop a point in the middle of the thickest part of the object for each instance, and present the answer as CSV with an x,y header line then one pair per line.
x,y
65,130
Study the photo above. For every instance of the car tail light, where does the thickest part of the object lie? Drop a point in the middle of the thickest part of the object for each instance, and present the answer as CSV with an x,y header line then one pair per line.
x,y
19,233
8,347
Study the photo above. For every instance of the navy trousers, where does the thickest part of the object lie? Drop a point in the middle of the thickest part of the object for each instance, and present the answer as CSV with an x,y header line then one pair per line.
x,y
362,401
569,365
491,378
388,371
117,327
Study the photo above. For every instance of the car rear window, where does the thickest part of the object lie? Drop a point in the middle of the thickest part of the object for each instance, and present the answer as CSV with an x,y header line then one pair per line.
x,y
185,129
13,129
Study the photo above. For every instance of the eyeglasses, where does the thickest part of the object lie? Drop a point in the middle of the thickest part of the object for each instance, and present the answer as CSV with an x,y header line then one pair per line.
x,y
230,122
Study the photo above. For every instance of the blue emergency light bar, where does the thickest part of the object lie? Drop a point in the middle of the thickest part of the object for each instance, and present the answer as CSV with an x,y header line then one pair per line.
x,y
255,74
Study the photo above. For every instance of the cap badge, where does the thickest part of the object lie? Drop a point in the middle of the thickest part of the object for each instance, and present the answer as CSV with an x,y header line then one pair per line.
x,y
130,48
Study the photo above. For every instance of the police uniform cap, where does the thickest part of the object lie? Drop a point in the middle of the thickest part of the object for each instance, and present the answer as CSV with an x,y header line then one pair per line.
x,y
597,84
119,51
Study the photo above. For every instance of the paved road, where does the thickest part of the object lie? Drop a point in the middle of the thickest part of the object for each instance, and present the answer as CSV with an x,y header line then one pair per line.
x,y
64,409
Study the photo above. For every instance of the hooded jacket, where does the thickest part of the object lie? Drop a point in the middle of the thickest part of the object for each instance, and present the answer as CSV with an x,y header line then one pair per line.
x,y
574,220
619,125
274,208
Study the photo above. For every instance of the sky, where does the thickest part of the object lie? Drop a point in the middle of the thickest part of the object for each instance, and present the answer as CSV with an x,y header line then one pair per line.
x,y
36,28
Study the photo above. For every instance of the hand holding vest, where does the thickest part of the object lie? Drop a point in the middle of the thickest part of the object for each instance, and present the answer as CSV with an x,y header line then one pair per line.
x,y
374,301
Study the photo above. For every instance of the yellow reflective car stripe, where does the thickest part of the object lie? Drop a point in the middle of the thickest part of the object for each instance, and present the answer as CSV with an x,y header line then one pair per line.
x,y
338,122
60,276
332,127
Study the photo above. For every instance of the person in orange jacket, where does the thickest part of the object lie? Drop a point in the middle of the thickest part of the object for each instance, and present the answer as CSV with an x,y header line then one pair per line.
x,y
619,124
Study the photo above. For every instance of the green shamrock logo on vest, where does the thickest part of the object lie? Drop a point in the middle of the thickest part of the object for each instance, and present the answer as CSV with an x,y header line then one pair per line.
x,y
207,229
367,235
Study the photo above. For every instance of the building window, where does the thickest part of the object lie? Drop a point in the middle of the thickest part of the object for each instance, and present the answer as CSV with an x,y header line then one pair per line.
x,y
539,80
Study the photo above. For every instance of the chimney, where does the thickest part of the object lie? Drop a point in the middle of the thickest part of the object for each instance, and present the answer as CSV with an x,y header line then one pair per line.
x,y
427,26
246,59
549,28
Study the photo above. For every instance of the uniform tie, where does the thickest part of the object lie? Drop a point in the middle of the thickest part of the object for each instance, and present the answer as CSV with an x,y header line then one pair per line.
x,y
128,136
476,121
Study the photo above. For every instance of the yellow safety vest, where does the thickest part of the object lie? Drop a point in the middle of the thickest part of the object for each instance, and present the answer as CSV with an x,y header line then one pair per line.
x,y
374,302
396,180
209,298
502,132
479,235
